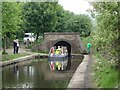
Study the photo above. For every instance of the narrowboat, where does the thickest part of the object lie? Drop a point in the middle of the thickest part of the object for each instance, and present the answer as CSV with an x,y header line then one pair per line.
x,y
57,59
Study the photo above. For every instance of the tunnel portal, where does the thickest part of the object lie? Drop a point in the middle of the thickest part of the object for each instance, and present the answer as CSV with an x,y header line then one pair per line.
x,y
65,44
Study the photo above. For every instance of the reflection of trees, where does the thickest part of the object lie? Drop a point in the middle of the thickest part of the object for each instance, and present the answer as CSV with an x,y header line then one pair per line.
x,y
37,73
9,75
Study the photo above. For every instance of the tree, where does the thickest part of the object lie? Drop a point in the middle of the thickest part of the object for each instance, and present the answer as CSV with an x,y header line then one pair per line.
x,y
0,15
79,23
106,36
63,16
11,19
40,17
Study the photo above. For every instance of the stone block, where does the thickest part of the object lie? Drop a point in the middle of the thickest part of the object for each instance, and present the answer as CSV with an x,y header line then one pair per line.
x,y
76,85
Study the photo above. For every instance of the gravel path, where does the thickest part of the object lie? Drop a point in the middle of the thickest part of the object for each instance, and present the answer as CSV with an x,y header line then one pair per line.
x,y
21,50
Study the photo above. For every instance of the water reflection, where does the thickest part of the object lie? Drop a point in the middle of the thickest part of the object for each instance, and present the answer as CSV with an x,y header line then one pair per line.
x,y
15,68
69,62
28,70
37,74
16,71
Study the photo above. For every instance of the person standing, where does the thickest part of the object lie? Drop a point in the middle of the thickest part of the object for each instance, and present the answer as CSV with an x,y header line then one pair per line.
x,y
88,47
27,43
14,46
17,48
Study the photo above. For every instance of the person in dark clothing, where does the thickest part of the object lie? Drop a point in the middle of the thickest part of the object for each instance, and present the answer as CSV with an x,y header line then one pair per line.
x,y
14,46
17,46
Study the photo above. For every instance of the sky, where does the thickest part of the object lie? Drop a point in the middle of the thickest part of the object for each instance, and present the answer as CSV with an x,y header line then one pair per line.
x,y
75,6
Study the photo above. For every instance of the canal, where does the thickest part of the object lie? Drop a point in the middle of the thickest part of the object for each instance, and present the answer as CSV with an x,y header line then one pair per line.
x,y
36,74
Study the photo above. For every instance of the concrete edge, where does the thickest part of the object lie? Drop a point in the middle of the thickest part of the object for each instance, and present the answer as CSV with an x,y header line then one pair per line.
x,y
24,58
77,80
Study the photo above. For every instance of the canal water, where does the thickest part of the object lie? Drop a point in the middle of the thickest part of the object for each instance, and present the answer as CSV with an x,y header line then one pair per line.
x,y
36,74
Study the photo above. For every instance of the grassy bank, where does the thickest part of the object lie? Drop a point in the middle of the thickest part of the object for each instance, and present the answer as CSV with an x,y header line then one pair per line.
x,y
106,76
6,57
84,42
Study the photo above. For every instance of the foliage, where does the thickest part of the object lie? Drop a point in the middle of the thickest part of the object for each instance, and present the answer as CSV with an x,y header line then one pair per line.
x,y
40,17
105,75
63,17
0,17
51,17
11,20
39,41
86,40
18,18
79,23
7,57
0,41
36,43
40,51
105,37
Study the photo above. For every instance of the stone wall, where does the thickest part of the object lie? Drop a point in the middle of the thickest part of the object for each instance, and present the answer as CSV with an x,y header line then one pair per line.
x,y
70,37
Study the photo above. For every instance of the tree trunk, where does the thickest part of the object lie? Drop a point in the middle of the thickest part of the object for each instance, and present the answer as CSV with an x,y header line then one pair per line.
x,y
7,43
4,45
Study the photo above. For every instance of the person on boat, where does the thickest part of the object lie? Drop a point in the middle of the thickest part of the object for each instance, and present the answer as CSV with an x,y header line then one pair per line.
x,y
62,51
52,51
66,52
58,51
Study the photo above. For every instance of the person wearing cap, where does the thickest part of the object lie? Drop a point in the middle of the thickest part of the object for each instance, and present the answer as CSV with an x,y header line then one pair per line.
x,y
58,51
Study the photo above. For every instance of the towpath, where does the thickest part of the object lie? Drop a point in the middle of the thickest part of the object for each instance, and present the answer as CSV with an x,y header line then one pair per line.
x,y
83,76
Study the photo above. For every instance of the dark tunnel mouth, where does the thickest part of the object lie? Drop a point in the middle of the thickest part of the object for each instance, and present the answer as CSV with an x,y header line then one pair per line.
x,y
64,43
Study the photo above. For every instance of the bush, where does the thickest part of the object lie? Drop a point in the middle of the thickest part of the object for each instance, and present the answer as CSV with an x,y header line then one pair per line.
x,y
40,51
29,46
105,76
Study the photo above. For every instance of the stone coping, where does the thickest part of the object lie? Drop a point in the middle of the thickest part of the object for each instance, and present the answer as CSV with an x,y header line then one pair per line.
x,y
24,58
20,59
77,80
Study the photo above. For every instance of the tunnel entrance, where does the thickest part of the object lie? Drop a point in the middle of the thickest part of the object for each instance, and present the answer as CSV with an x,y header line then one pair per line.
x,y
68,46
65,44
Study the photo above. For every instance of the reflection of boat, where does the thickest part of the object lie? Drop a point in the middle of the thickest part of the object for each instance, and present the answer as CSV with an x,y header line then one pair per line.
x,y
57,62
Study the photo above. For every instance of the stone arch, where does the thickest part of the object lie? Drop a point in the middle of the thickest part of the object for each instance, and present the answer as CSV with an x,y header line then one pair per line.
x,y
54,38
63,42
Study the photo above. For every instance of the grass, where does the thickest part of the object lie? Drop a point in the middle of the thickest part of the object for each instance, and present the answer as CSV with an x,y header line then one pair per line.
x,y
6,57
40,51
86,40
105,75
39,41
